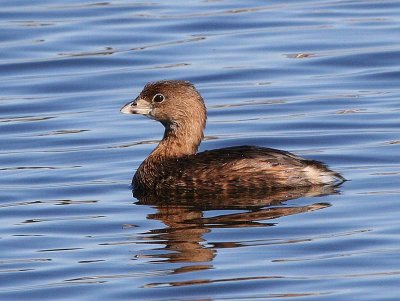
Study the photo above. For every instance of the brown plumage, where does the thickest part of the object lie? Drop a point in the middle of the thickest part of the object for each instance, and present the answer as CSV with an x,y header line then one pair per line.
x,y
175,164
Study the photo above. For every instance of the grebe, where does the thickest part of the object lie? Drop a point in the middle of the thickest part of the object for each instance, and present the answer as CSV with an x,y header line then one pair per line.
x,y
175,164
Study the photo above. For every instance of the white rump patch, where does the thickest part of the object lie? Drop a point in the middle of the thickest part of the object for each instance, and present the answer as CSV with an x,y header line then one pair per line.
x,y
319,176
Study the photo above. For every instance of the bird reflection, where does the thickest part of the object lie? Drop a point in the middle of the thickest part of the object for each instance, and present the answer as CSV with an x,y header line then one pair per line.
x,y
183,215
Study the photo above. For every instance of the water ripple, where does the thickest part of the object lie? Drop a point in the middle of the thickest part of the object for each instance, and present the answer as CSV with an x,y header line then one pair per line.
x,y
319,78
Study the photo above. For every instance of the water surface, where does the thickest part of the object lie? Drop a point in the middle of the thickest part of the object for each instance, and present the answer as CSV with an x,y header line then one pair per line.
x,y
319,78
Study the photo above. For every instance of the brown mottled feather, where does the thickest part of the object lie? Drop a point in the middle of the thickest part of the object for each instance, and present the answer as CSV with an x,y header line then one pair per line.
x,y
242,167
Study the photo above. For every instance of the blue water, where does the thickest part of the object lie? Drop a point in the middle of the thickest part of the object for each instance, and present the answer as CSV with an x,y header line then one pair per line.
x,y
319,78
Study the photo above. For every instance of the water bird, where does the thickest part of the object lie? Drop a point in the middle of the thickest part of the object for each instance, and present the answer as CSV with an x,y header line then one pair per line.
x,y
175,165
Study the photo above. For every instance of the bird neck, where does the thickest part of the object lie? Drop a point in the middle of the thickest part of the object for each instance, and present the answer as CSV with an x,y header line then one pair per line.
x,y
181,139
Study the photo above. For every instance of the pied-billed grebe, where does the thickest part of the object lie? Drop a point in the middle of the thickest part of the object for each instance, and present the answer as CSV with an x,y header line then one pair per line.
x,y
175,164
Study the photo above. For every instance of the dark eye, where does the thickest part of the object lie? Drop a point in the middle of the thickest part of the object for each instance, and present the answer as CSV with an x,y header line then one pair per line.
x,y
158,98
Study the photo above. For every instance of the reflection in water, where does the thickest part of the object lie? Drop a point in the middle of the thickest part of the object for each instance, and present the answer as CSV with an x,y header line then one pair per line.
x,y
234,198
185,221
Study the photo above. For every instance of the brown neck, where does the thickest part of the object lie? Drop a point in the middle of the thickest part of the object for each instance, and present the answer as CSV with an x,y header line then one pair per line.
x,y
179,140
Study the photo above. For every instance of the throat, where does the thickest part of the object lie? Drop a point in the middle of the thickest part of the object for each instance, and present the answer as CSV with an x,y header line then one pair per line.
x,y
178,142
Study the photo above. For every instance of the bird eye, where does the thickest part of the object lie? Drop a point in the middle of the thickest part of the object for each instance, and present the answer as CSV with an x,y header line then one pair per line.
x,y
158,98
